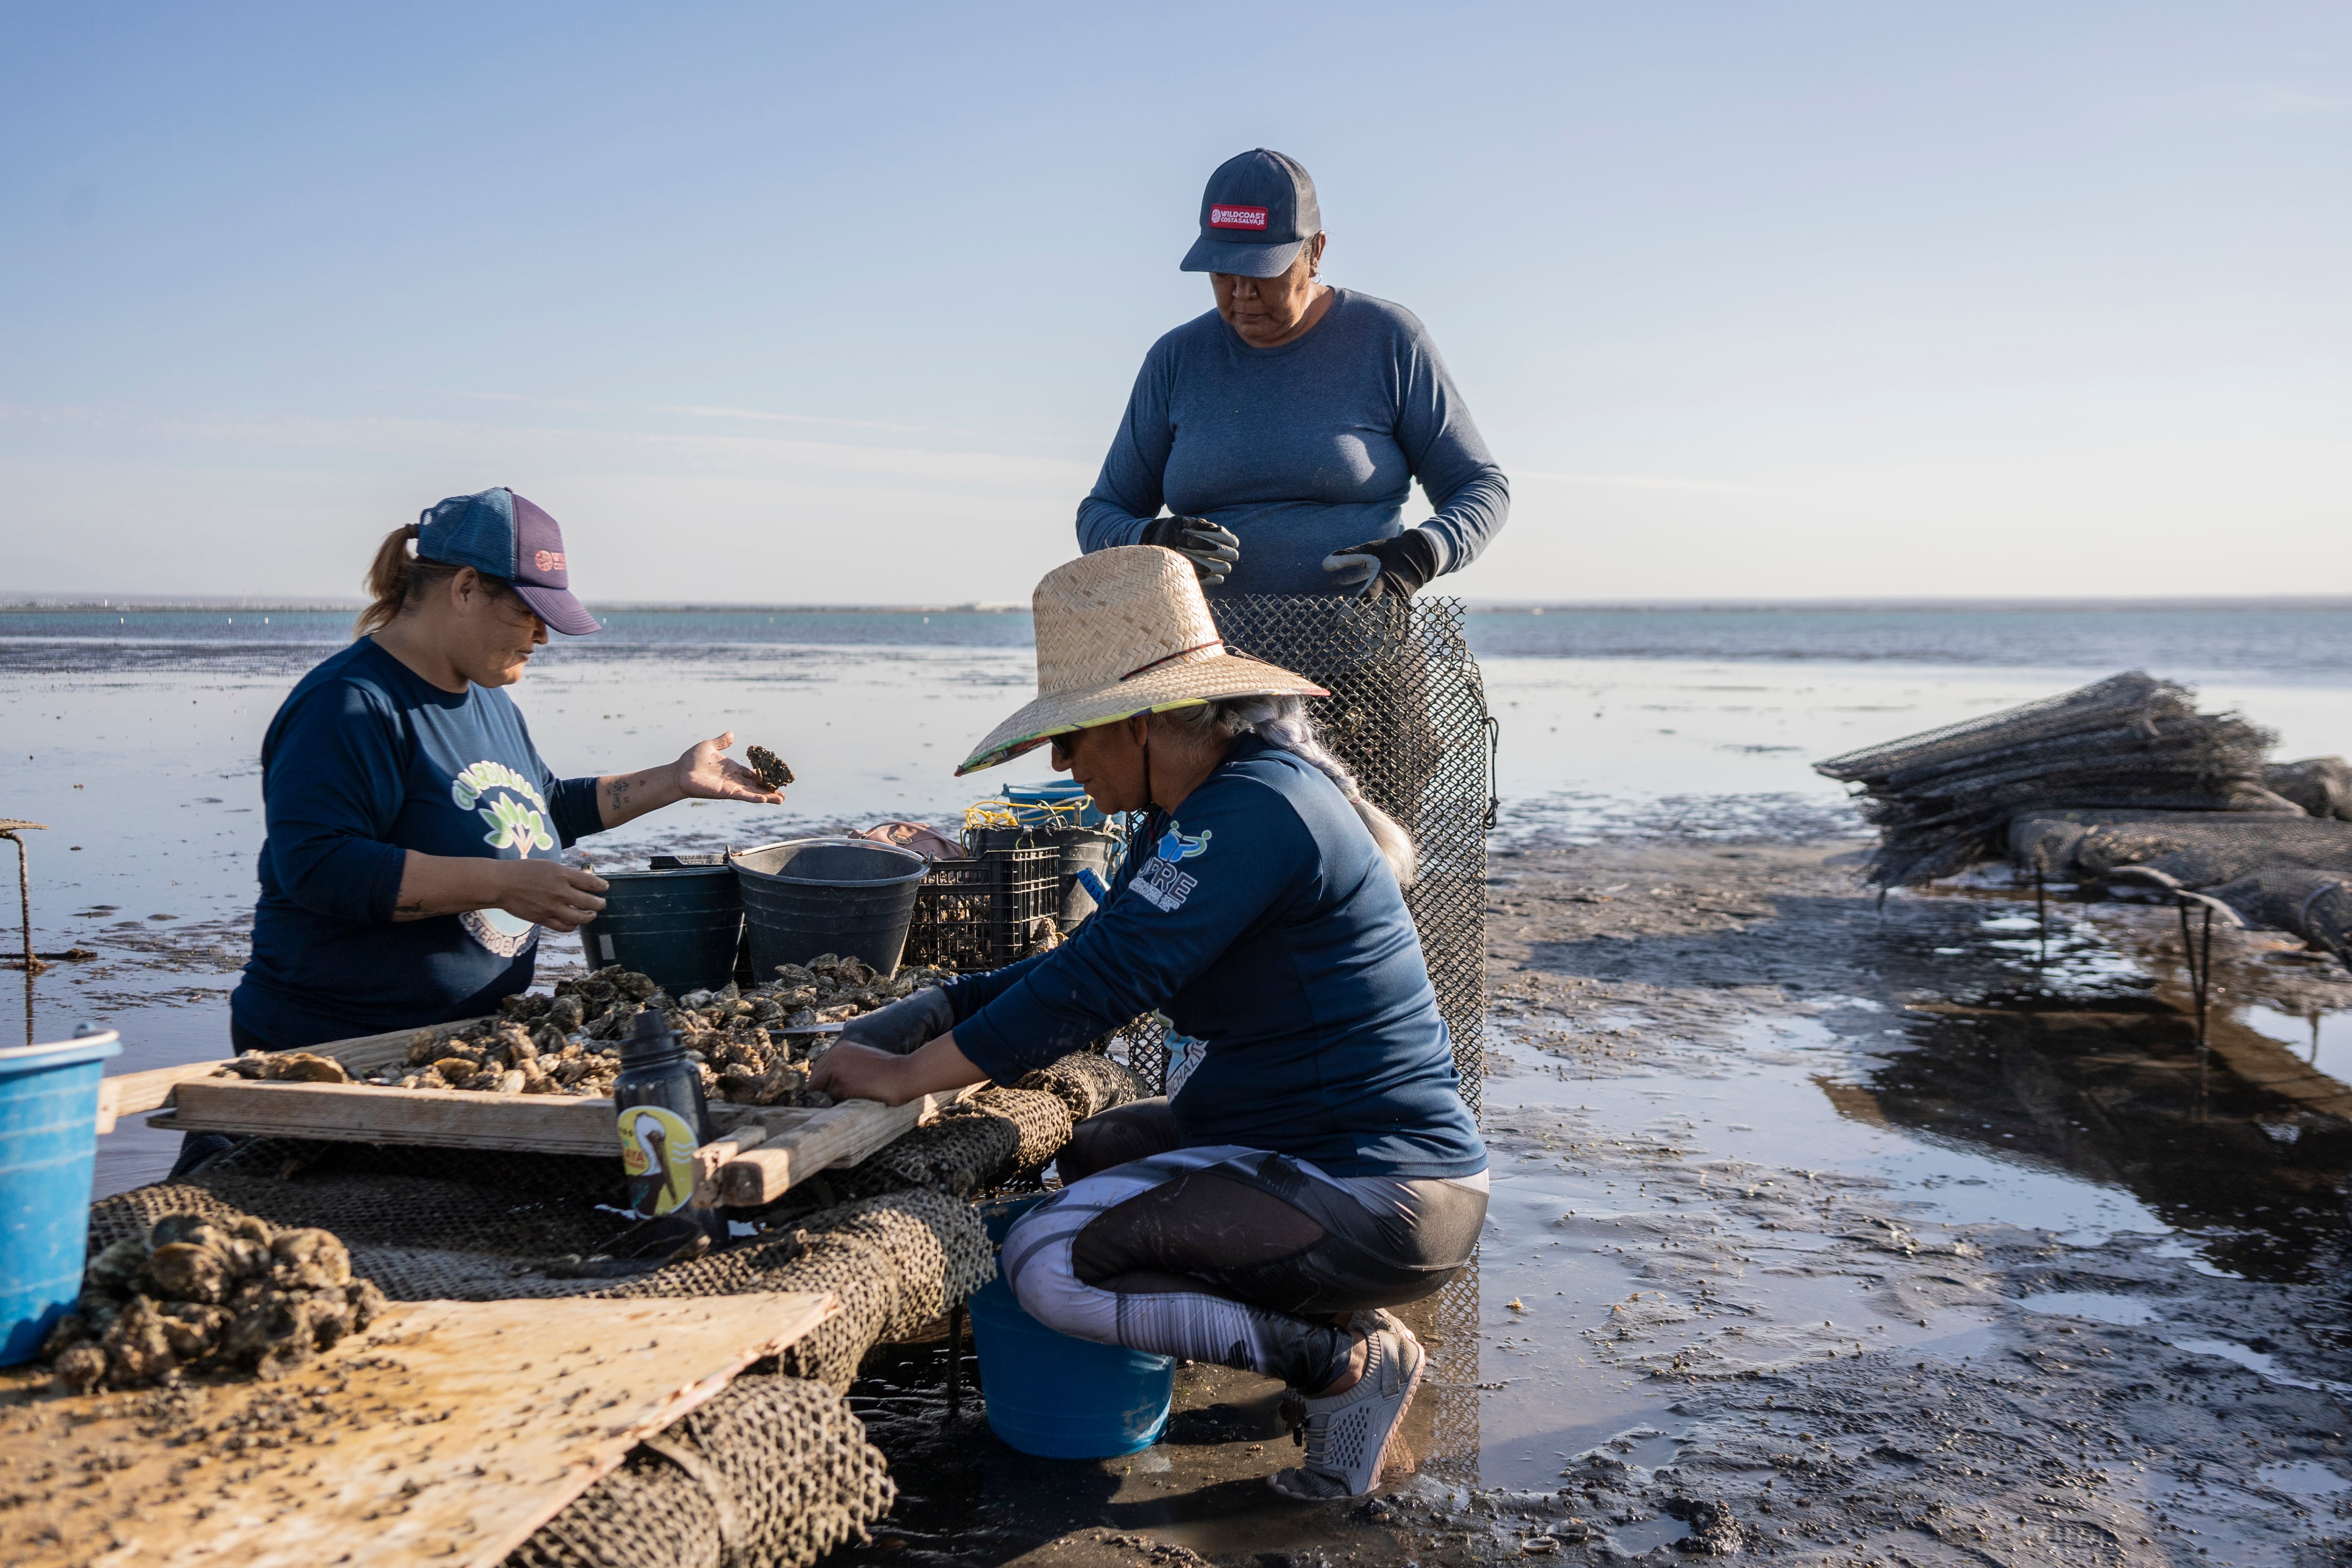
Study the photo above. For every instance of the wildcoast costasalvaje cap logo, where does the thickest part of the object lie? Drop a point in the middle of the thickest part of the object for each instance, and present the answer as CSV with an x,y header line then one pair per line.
x,y
549,561
1236,217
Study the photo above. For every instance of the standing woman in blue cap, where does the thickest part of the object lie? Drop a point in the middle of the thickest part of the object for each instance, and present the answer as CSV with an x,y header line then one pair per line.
x,y
1282,430
413,833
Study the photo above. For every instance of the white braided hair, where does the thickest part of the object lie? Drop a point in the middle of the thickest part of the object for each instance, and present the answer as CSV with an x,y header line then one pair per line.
x,y
1282,722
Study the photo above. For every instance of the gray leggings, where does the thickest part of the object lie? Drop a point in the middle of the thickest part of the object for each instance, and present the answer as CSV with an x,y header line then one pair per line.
x,y
1228,1254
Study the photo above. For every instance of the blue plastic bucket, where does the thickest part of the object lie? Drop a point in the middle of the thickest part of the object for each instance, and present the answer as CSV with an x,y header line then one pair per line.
x,y
48,1142
1055,1396
1033,805
679,926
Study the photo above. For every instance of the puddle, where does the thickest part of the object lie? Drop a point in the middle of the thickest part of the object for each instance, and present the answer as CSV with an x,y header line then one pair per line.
x,y
2098,1306
2304,1477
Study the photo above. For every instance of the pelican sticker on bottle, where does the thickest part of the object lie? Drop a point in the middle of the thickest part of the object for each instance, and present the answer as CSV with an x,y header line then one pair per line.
x,y
658,1151
661,1119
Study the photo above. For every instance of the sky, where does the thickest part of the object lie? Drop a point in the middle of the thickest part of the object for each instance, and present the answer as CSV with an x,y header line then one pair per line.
x,y
841,303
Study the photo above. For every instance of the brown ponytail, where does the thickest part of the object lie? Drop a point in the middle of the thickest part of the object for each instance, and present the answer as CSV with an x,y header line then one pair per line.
x,y
397,579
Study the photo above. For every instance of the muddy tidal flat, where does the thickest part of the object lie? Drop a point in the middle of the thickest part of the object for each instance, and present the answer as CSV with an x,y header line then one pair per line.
x,y
1823,1231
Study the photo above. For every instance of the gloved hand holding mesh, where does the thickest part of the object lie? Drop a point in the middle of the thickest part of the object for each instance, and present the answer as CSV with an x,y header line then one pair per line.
x,y
1213,552
905,1025
1395,567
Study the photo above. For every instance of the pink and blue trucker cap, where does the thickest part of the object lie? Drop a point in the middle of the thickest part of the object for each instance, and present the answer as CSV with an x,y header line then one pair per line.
x,y
498,533
1259,208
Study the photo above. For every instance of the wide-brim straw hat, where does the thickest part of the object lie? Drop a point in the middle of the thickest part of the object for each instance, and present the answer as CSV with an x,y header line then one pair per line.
x,y
1120,632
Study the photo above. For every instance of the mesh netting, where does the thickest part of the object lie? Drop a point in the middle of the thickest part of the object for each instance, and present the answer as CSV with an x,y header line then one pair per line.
x,y
1942,801
2315,905
772,1471
1407,714
2178,849
2320,785
1088,1085
776,1471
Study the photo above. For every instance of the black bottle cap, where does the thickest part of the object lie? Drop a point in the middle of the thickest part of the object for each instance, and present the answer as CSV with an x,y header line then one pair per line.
x,y
650,1036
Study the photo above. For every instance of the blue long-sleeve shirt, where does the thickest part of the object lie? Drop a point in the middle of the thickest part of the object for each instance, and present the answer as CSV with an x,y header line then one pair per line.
x,y
1300,450
1262,919
364,761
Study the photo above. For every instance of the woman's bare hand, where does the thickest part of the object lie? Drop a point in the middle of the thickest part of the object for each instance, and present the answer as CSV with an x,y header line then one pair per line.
x,y
706,773
849,1071
548,893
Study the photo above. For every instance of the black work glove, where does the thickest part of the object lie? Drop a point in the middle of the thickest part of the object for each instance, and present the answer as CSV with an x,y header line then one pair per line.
x,y
1213,552
905,1025
1387,568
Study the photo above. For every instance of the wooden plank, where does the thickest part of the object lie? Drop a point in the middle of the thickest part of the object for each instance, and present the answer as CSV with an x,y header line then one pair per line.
x,y
441,1118
128,1093
438,1118
800,1142
447,1433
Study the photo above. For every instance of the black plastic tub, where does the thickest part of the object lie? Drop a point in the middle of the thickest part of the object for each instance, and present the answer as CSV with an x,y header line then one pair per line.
x,y
806,897
678,927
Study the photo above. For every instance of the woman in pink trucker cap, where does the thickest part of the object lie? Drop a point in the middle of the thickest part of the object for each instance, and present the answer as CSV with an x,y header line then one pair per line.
x,y
414,835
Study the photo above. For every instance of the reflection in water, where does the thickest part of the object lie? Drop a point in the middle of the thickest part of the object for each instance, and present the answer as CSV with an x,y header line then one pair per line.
x,y
2242,1142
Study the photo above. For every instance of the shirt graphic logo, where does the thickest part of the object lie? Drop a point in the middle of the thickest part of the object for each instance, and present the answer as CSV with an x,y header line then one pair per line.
x,y
520,825
1236,217
1175,846
1164,887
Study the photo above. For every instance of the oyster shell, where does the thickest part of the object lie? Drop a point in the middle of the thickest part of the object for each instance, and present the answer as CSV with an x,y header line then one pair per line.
x,y
769,767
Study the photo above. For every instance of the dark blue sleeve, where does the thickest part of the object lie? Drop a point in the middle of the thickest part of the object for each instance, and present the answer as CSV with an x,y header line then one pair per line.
x,y
1448,456
1127,494
1165,928
969,993
331,794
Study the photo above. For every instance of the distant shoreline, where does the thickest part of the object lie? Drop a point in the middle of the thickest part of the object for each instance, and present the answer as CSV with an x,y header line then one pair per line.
x,y
84,603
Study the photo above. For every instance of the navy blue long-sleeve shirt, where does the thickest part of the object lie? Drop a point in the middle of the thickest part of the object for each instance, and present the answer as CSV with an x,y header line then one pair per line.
x,y
1300,450
1262,919
364,761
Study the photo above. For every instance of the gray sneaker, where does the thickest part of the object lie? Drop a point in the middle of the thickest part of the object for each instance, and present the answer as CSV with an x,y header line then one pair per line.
x,y
1347,1436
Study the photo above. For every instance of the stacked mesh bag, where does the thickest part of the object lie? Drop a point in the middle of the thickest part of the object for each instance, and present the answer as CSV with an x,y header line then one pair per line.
x,y
1944,800
1407,715
776,1470
2123,781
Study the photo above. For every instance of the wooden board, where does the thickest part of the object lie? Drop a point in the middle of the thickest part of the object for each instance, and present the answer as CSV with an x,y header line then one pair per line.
x,y
446,1434
128,1093
797,1144
759,1152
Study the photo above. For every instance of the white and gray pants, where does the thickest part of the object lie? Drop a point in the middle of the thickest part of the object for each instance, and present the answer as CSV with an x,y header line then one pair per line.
x,y
1229,1254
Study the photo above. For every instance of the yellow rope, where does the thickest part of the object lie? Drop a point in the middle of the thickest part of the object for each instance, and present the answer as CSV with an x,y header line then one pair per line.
x,y
1003,813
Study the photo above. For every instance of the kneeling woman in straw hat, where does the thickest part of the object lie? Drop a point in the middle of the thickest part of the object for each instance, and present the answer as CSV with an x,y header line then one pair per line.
x,y
1318,1165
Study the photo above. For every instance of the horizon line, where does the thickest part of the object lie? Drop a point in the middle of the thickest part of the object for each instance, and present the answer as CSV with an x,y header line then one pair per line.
x,y
325,604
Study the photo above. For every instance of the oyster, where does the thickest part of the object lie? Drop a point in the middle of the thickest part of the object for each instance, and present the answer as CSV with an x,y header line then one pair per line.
x,y
768,766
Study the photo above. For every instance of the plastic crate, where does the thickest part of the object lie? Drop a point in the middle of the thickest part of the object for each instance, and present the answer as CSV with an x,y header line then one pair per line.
x,y
979,914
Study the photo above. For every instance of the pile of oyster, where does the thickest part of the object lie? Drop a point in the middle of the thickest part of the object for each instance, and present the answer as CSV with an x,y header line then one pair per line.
x,y
570,1043
196,1293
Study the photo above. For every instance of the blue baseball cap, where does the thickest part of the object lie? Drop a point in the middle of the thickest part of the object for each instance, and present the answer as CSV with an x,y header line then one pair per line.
x,y
498,533
1258,210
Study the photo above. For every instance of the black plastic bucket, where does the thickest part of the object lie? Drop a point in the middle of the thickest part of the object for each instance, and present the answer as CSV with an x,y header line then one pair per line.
x,y
679,927
1090,848
806,897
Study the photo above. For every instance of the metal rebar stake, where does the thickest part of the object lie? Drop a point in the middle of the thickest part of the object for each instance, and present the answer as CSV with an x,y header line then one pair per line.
x,y
10,828
2042,913
955,1361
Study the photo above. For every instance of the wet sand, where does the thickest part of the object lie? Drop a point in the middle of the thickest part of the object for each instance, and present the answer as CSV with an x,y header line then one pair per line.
x,y
1834,1232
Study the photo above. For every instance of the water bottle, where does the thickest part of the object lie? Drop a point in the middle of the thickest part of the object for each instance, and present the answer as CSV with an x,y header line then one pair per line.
x,y
662,1117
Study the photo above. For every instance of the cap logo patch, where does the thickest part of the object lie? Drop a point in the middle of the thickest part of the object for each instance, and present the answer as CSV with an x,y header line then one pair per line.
x,y
1236,217
549,561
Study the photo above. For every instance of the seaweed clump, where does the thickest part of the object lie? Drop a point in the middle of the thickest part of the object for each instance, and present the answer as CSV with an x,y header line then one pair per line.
x,y
570,1042
196,1294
